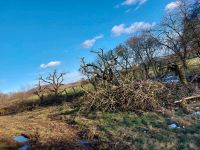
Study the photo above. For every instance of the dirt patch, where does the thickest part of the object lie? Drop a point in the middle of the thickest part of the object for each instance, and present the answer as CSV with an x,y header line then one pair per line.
x,y
38,127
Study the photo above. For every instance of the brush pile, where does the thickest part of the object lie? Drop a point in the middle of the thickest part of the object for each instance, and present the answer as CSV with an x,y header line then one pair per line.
x,y
142,95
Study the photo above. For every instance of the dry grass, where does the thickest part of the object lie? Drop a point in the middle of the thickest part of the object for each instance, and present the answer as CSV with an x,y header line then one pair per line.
x,y
37,123
62,126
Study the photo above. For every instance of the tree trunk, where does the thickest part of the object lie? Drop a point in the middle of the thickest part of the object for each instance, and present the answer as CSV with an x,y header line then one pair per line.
x,y
181,74
146,70
184,63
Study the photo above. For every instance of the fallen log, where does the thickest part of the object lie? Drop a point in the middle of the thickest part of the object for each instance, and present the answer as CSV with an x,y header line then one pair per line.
x,y
187,99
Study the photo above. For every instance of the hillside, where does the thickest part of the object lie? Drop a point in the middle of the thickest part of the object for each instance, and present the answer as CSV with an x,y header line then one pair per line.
x,y
59,126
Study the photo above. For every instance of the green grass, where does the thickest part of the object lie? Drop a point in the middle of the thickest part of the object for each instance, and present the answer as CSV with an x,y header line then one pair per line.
x,y
193,65
149,130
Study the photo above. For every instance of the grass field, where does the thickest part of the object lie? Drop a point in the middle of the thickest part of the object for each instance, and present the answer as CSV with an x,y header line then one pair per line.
x,y
193,65
61,126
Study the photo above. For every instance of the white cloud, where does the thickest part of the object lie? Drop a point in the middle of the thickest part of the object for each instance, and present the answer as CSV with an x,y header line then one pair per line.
x,y
132,2
118,30
50,64
173,5
138,4
89,43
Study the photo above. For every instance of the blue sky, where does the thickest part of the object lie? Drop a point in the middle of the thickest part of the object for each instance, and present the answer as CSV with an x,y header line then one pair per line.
x,y
37,36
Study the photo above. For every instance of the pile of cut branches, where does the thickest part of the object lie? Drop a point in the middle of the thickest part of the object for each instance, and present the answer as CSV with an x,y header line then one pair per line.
x,y
142,95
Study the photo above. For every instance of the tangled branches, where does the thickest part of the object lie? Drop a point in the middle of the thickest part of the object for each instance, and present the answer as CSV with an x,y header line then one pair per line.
x,y
142,95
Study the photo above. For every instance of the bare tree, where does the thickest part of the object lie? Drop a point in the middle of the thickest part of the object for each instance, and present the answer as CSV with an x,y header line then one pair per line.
x,y
103,72
173,35
172,38
125,62
137,54
143,49
40,91
193,27
150,47
52,83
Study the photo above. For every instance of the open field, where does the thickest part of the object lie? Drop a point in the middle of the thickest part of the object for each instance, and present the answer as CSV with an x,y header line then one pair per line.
x,y
61,126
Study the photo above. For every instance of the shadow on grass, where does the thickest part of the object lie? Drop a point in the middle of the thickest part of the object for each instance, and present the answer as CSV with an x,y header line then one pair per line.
x,y
61,145
31,105
72,112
